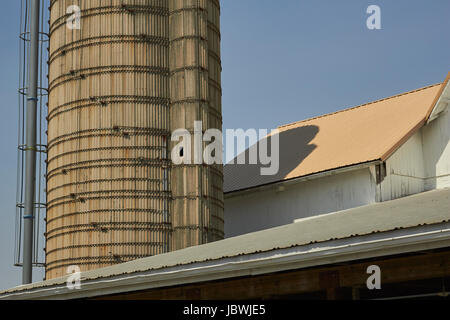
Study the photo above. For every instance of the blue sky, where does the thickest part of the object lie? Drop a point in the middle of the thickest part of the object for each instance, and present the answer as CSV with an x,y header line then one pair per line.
x,y
283,61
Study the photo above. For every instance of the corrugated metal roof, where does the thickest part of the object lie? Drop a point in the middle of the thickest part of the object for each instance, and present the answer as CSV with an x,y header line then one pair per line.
x,y
353,136
422,209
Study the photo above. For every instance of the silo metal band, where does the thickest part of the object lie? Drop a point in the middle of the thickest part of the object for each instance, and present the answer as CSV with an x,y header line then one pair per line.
x,y
98,260
188,37
216,3
128,196
188,9
86,195
102,226
83,76
130,148
215,56
110,10
95,230
214,28
101,100
107,39
211,110
131,244
115,162
87,72
109,211
114,131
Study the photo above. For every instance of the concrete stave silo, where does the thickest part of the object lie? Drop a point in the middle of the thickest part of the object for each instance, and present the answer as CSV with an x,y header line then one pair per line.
x,y
112,192
195,69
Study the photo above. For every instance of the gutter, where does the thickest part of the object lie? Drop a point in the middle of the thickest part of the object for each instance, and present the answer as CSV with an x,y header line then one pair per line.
x,y
325,253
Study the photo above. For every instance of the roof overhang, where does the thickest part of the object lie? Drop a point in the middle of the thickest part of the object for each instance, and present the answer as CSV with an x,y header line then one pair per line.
x,y
411,224
331,252
279,185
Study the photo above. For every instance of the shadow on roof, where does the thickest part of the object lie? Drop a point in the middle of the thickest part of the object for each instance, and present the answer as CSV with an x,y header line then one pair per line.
x,y
294,148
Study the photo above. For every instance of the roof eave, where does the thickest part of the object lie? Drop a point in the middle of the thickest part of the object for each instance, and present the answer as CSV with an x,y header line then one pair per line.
x,y
308,177
335,251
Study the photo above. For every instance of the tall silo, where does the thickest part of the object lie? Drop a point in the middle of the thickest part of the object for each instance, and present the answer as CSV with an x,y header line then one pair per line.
x,y
195,92
111,195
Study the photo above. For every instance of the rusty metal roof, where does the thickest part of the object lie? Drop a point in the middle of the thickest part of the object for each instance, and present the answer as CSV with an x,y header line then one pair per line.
x,y
424,209
353,136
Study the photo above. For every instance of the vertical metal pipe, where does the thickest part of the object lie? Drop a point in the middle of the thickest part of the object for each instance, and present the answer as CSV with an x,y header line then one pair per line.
x,y
30,152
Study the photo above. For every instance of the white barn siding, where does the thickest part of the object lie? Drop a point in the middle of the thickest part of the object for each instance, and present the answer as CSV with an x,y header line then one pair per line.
x,y
258,210
405,171
420,164
436,144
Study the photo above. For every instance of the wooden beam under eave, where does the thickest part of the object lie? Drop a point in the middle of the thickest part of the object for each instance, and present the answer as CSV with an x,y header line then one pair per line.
x,y
336,282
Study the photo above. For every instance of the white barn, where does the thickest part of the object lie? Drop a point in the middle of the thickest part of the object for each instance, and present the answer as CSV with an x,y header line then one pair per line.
x,y
372,153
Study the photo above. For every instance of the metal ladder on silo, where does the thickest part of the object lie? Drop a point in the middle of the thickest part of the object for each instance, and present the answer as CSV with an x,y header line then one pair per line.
x,y
38,259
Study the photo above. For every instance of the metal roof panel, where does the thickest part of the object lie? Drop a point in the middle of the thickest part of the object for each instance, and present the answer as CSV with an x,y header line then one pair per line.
x,y
426,208
353,136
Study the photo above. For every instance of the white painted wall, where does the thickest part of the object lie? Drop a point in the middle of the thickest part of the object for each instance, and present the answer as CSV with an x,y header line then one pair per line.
x,y
260,210
421,164
436,147
405,171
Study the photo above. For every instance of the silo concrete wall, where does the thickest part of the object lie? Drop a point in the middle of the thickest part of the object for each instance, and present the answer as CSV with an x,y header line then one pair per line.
x,y
195,93
108,130
115,95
